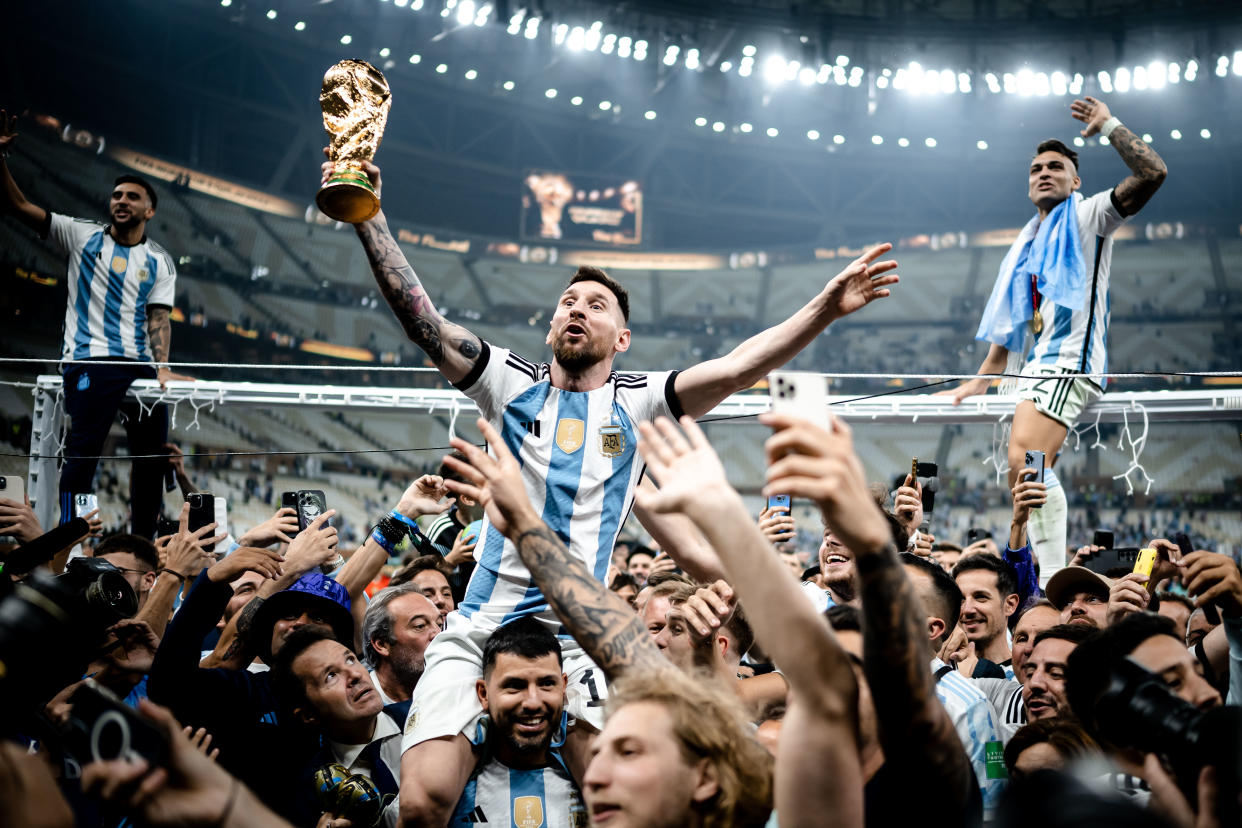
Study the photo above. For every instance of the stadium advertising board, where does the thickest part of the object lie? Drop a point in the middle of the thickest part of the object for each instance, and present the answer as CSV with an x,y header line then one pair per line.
x,y
558,206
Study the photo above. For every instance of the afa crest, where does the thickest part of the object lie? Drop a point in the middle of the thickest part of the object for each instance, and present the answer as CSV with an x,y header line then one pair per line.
x,y
570,434
611,441
143,275
527,812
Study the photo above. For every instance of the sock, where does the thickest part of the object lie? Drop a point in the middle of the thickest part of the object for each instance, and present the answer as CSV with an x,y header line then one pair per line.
x,y
1047,528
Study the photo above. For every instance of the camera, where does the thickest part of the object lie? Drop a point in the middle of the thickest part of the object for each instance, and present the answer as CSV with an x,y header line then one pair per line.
x,y
65,615
102,728
1138,710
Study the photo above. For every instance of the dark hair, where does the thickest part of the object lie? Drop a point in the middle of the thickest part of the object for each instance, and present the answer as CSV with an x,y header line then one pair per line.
x,y
526,637
136,545
739,630
901,538
586,273
1088,668
289,688
945,587
1066,737
141,182
638,550
1073,633
622,580
1164,595
1053,145
947,547
408,570
844,618
1041,603
667,577
1006,576
448,473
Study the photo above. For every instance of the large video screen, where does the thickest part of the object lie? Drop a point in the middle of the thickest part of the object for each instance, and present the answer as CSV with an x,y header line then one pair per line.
x,y
578,208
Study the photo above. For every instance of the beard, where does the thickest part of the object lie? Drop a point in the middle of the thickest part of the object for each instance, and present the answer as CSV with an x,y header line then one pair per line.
x,y
842,587
128,223
408,667
575,358
506,728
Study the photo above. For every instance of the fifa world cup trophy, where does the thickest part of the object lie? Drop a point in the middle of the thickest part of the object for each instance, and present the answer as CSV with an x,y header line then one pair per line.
x,y
355,100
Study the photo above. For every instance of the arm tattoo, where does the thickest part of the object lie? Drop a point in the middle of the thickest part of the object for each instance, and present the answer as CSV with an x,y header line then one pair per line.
x,y
245,619
599,620
898,673
159,329
1147,167
447,345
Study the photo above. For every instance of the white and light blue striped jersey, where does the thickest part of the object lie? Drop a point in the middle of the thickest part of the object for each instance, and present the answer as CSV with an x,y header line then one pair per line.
x,y
110,288
972,715
580,463
501,796
1078,340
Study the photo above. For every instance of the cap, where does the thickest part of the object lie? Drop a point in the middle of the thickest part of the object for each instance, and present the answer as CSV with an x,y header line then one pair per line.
x,y
314,590
1068,581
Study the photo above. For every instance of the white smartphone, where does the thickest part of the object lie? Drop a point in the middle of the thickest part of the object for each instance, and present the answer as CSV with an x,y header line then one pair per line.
x,y
800,394
84,504
13,488
222,516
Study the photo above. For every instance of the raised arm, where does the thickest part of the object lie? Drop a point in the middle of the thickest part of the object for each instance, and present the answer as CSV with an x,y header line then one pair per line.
x,y
823,709
451,348
702,386
15,203
599,620
993,363
807,461
1147,169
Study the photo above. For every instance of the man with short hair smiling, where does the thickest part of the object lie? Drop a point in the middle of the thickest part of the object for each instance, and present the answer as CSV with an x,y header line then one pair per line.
x,y
424,572
1043,686
1081,595
520,772
989,588
638,563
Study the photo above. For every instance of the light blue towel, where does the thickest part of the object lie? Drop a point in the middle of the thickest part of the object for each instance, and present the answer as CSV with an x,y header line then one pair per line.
x,y
1051,250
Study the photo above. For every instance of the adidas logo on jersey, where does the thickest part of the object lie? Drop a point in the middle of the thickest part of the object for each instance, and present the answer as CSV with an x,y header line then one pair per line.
x,y
477,817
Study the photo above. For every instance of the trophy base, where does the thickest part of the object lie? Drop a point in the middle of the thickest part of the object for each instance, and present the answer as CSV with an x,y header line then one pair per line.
x,y
348,197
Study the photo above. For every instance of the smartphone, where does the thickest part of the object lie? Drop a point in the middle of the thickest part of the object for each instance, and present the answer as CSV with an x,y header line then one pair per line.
x,y
311,503
914,470
800,394
1035,460
166,526
1109,559
1145,562
925,474
288,500
975,535
13,488
1183,543
102,728
779,502
202,512
221,515
1102,538
84,504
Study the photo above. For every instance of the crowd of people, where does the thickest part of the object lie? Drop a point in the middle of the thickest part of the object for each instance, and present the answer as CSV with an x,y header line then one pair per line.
x,y
493,654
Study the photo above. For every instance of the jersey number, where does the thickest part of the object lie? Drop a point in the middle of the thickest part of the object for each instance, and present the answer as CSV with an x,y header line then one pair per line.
x,y
588,678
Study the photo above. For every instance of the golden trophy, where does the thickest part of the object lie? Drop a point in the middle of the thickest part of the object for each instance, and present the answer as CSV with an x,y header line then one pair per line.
x,y
355,100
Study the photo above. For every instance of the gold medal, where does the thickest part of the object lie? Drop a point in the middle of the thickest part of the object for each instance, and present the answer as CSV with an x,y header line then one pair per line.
x,y
1037,322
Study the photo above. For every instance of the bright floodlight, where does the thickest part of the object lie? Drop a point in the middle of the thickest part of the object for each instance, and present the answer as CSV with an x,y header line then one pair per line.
x,y
559,32
226,3
509,86
877,140
981,144
442,68
1176,135
1237,63
471,74
1075,87
299,26
650,115
605,105
1140,77
1147,137
903,142
346,40
416,5
773,132
774,69
806,76
812,134
551,93
1192,70
1079,142
416,58
881,82
930,142
1121,79
590,41
838,139
576,100
700,121
465,12
1158,74
692,59
843,60
1205,134
1059,83
725,65
576,37
744,127
271,14
1106,81
1010,83
385,52
748,50
718,126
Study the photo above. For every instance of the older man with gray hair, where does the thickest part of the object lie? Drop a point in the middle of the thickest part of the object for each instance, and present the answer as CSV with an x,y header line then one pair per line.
x,y
398,626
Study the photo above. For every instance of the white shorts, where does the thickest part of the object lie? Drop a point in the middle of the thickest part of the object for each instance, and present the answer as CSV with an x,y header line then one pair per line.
x,y
1055,395
445,702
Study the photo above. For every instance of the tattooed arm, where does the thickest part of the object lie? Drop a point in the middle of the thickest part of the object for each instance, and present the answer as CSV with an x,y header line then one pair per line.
x,y
599,620
1147,168
159,332
450,347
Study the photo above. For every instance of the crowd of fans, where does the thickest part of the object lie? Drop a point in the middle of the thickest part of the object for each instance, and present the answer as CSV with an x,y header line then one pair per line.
x,y
896,678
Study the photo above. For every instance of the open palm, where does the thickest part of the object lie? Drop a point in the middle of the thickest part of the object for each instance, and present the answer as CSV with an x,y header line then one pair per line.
x,y
685,465
864,281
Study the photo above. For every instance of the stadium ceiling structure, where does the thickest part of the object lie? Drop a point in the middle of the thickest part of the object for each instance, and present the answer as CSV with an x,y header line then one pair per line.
x,y
749,123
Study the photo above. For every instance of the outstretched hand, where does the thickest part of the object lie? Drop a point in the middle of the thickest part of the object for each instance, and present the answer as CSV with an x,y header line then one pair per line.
x,y
494,482
1092,112
423,496
686,465
862,282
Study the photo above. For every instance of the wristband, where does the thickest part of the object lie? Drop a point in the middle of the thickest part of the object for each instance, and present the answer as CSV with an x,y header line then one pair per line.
x,y
387,545
173,573
1109,125
410,524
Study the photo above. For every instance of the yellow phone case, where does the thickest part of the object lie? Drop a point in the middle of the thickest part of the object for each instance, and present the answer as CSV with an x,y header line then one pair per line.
x,y
1145,562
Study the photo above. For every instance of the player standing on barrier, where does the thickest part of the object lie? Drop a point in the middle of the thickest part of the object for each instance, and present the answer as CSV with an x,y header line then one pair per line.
x,y
573,425
1053,285
120,295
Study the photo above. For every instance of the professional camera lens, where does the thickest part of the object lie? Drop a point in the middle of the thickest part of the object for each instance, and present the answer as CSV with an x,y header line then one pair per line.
x,y
110,596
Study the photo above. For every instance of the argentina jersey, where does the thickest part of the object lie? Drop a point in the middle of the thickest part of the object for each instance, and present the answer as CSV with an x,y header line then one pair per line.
x,y
580,463
975,722
110,288
501,796
1076,341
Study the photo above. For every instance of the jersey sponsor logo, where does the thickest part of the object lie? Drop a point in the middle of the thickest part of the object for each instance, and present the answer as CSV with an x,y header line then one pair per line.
x,y
528,811
570,434
611,441
119,263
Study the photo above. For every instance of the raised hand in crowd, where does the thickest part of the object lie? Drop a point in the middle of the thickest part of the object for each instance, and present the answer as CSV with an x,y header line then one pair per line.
x,y
908,505
922,544
1084,554
709,609
132,648
184,555
311,548
19,520
1128,594
1213,578
1028,493
776,524
463,550
201,740
265,562
190,790
279,528
662,562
